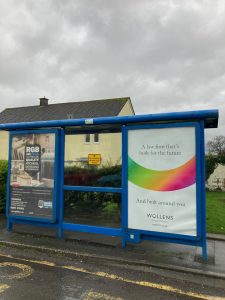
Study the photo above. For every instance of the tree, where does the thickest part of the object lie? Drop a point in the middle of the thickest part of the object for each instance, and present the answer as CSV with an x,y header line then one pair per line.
x,y
211,162
217,145
216,154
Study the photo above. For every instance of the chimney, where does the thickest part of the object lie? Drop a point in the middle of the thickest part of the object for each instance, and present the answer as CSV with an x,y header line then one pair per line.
x,y
43,101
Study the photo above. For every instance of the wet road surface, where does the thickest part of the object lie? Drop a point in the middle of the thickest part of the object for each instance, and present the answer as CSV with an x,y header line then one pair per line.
x,y
33,275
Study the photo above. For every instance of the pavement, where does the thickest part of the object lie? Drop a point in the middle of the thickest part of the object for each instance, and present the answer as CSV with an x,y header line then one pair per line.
x,y
98,248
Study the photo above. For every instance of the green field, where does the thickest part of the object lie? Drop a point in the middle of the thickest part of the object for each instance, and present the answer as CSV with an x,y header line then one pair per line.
x,y
215,212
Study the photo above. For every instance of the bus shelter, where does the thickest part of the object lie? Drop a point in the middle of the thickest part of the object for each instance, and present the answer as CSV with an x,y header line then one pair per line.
x,y
144,179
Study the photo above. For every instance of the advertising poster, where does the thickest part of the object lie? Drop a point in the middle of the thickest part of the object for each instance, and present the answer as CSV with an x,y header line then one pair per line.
x,y
162,180
32,175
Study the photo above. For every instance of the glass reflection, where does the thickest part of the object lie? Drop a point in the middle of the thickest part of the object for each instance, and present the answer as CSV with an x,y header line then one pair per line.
x,y
93,163
92,208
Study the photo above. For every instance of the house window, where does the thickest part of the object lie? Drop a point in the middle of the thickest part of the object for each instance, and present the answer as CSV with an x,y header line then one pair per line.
x,y
87,138
96,138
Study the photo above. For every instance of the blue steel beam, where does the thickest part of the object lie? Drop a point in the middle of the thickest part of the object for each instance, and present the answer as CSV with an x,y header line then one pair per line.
x,y
210,118
92,229
92,189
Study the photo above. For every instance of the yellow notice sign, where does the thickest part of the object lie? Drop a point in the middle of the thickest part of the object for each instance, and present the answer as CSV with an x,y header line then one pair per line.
x,y
94,159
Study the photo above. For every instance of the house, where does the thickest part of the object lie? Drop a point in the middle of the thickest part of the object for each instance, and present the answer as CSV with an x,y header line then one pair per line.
x,y
77,147
217,178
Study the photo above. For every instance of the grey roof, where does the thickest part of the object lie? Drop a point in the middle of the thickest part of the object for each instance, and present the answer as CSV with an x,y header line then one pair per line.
x,y
61,111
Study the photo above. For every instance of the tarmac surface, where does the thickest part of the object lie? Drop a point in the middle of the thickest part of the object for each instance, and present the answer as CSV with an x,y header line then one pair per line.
x,y
27,274
88,266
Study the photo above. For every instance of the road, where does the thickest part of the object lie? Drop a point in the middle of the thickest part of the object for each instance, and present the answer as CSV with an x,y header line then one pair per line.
x,y
33,275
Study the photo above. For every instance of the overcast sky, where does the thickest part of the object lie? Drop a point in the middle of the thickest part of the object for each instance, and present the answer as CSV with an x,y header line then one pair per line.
x,y
166,55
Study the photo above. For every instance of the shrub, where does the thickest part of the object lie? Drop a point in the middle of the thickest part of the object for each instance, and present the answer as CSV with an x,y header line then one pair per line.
x,y
93,176
3,183
87,202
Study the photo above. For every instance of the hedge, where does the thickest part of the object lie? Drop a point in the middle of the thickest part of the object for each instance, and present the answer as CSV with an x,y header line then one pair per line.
x,y
106,176
87,202
3,182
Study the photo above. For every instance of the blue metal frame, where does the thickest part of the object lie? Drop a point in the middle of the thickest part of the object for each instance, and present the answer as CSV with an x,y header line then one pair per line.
x,y
61,183
124,185
37,224
200,238
81,227
92,229
9,223
31,220
210,118
203,180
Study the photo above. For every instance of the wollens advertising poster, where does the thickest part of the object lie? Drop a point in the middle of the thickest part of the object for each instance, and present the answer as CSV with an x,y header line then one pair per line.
x,y
32,175
162,180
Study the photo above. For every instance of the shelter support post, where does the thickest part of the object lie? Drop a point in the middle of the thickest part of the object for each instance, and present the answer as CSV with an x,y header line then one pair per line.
x,y
61,183
124,185
9,223
203,194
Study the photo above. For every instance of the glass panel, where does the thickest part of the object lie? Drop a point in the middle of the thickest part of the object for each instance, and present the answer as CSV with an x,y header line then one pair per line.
x,y
32,175
91,208
32,162
93,164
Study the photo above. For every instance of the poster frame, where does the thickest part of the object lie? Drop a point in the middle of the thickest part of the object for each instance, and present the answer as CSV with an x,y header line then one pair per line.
x,y
135,235
14,218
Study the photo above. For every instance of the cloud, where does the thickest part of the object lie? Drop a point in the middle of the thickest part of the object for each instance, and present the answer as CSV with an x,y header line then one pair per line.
x,y
166,55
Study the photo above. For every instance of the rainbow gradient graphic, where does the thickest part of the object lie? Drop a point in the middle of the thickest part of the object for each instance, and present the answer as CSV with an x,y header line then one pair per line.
x,y
163,181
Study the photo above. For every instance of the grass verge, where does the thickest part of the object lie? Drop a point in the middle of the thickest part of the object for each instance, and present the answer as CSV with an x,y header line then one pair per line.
x,y
215,212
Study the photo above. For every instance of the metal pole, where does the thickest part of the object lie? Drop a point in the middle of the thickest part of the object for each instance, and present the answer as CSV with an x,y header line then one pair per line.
x,y
9,223
61,182
203,194
124,186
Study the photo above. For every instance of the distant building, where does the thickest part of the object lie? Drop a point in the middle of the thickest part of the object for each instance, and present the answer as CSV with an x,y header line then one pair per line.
x,y
78,146
217,178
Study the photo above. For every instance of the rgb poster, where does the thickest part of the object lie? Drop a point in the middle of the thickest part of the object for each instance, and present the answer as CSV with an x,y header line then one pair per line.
x,y
32,175
162,180
32,160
